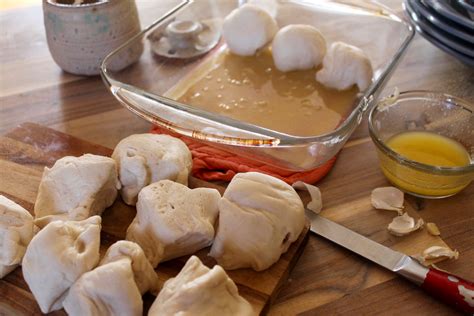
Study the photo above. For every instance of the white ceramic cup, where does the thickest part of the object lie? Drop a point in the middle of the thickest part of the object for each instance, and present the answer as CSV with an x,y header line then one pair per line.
x,y
80,36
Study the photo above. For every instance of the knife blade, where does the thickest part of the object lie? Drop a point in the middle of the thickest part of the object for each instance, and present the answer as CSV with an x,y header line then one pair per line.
x,y
450,288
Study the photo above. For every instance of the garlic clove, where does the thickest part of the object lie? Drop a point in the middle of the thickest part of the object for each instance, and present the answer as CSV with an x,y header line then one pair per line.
x,y
433,229
404,224
316,203
387,198
435,252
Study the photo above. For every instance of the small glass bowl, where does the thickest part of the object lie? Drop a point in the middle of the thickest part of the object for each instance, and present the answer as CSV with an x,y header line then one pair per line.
x,y
423,111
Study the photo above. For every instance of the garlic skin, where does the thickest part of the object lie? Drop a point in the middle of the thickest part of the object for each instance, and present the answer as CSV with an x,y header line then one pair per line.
x,y
403,225
298,47
248,29
344,66
435,252
316,203
387,198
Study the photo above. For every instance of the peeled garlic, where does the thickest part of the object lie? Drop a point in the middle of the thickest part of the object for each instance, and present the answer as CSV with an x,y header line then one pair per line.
x,y
316,203
439,252
387,198
433,229
404,224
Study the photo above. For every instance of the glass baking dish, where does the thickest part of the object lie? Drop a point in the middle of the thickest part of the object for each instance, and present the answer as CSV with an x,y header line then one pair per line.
x,y
144,86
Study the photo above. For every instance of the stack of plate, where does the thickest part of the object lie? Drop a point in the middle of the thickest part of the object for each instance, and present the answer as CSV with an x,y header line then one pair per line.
x,y
448,24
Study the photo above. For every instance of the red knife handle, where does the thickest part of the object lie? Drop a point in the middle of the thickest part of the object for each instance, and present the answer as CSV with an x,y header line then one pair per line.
x,y
451,289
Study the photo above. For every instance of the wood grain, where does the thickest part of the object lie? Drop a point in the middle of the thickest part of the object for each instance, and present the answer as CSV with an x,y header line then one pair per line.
x,y
33,88
30,147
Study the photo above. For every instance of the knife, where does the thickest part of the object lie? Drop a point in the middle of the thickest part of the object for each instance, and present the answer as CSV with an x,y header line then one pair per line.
x,y
449,288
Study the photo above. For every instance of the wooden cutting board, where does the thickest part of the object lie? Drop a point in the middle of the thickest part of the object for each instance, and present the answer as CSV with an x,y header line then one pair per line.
x,y
26,150
24,153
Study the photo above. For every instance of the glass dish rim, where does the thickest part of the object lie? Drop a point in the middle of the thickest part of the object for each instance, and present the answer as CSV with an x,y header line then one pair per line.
x,y
273,138
428,95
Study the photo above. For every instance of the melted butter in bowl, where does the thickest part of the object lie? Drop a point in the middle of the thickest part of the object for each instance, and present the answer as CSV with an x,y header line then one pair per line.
x,y
252,90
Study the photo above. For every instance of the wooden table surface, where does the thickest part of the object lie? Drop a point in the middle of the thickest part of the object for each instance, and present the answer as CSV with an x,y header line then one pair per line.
x,y
34,89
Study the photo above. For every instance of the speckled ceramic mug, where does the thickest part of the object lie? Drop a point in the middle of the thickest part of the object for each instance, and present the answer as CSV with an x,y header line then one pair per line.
x,y
80,36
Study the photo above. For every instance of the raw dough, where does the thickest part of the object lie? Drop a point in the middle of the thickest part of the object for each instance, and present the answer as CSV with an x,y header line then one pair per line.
x,y
146,158
344,66
57,256
144,274
173,220
198,290
116,286
298,47
76,188
259,217
16,231
107,290
248,29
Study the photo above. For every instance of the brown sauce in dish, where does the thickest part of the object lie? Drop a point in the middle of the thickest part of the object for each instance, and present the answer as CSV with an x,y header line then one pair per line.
x,y
252,90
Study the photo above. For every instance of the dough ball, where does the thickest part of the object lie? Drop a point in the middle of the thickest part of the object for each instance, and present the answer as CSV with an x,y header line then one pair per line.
x,y
16,231
57,256
247,29
146,158
259,217
298,47
107,290
144,274
76,188
344,66
116,286
198,290
173,220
